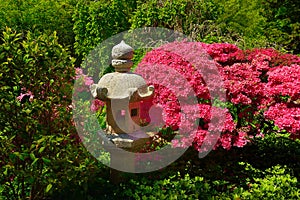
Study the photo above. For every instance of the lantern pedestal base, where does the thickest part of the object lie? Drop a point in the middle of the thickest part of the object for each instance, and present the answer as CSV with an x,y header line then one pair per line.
x,y
120,155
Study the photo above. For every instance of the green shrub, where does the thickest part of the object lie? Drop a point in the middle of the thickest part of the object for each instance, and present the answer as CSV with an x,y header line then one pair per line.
x,y
282,25
95,21
40,153
279,147
275,184
173,187
39,16
248,24
179,15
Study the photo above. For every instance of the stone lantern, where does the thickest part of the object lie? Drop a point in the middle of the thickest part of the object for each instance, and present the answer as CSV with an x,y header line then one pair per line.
x,y
124,93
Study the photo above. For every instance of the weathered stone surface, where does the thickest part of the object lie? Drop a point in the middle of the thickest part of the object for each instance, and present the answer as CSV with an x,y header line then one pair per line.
x,y
128,142
123,85
122,51
121,65
99,92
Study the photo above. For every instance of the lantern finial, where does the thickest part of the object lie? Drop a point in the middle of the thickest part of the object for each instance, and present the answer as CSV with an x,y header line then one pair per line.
x,y
122,54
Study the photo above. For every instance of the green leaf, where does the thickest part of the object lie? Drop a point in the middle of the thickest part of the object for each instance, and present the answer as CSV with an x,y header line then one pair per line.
x,y
5,172
41,140
1,189
16,88
32,156
27,111
46,160
41,149
35,160
48,188
20,156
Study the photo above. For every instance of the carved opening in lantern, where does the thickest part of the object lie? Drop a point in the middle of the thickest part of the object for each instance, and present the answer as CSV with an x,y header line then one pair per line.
x,y
134,112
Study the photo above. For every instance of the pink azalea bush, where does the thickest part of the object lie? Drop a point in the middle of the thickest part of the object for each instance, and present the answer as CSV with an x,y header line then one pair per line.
x,y
262,86
285,116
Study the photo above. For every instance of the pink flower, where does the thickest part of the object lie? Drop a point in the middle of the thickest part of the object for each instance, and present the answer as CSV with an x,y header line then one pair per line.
x,y
97,105
82,82
241,140
226,141
175,143
22,95
88,80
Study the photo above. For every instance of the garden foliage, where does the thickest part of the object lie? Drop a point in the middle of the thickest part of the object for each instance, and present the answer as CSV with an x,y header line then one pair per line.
x,y
248,24
40,153
282,23
181,15
272,183
258,23
39,16
95,21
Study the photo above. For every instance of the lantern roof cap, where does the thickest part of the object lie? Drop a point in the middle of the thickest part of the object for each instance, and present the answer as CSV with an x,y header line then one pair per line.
x,y
125,85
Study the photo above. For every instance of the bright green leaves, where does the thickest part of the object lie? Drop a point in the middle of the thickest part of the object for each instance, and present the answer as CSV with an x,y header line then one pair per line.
x,y
178,15
48,188
9,37
19,155
96,21
39,16
249,24
41,149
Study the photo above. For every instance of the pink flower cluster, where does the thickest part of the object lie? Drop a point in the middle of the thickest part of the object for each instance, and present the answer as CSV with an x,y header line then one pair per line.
x,y
82,86
242,83
97,105
254,80
87,80
176,80
284,81
285,117
225,54
28,94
